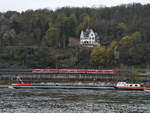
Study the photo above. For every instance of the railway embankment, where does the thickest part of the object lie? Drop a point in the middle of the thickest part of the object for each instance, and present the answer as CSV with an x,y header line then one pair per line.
x,y
8,76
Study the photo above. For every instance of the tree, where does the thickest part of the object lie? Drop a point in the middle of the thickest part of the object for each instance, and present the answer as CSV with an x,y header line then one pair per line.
x,y
67,28
52,37
110,51
9,38
83,56
98,56
128,49
84,22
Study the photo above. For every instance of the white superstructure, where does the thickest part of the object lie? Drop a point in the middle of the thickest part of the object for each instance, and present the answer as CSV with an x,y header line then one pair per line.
x,y
124,84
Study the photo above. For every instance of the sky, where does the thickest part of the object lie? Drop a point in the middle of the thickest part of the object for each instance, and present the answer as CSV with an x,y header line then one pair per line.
x,y
23,5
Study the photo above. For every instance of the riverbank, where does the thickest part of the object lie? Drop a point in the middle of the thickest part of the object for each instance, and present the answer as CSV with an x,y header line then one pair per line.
x,y
3,86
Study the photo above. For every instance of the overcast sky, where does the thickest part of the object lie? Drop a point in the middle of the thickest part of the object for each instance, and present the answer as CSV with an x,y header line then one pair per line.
x,y
22,5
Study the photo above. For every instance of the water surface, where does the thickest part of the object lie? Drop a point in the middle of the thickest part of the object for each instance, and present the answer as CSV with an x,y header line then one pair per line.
x,y
73,101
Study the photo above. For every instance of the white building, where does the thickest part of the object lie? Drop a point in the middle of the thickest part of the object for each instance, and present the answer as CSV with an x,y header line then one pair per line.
x,y
89,38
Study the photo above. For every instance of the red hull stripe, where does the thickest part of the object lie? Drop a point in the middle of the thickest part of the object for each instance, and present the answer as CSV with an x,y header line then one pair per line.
x,y
21,84
126,87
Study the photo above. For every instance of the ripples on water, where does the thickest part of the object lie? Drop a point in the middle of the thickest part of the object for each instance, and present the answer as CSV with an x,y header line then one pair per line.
x,y
73,101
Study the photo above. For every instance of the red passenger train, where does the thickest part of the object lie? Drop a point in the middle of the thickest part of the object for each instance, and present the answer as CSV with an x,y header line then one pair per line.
x,y
93,71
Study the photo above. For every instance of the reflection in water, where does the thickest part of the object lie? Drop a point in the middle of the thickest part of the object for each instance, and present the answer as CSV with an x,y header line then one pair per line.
x,y
73,101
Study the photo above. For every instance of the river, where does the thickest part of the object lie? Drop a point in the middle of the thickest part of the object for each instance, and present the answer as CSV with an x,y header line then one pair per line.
x,y
73,101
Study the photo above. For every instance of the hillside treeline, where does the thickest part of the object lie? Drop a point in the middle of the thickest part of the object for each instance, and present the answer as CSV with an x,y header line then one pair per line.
x,y
41,38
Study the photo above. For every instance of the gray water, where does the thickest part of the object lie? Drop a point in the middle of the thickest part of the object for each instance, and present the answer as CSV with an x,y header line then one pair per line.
x,y
73,101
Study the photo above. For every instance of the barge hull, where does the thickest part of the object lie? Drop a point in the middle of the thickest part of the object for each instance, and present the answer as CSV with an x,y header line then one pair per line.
x,y
62,87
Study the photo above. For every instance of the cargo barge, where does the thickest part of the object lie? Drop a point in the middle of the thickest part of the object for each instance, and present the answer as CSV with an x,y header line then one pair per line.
x,y
45,86
118,86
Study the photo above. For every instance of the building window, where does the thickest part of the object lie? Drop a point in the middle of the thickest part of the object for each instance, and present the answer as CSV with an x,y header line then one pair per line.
x,y
85,42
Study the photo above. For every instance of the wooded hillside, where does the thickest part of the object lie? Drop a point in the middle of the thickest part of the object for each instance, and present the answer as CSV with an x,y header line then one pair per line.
x,y
40,38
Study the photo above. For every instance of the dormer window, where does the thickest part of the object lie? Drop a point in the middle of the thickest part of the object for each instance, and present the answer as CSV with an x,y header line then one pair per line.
x,y
92,35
